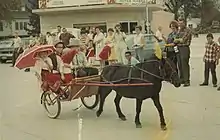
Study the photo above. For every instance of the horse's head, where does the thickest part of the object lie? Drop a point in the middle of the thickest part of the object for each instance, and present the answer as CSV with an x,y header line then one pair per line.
x,y
169,73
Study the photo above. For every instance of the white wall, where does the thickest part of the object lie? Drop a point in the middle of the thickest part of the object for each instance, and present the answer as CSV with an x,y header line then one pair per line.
x,y
163,19
6,29
9,28
20,32
67,19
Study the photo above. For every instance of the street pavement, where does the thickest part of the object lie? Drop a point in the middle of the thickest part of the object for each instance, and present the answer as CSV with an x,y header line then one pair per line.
x,y
191,113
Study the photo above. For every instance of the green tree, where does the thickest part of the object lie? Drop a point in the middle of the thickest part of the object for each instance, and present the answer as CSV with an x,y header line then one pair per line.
x,y
34,23
209,12
188,7
7,7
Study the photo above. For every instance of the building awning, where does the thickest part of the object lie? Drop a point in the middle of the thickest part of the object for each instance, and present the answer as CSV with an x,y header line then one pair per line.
x,y
90,8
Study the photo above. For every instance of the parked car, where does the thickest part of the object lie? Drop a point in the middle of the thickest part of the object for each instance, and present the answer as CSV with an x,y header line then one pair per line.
x,y
6,50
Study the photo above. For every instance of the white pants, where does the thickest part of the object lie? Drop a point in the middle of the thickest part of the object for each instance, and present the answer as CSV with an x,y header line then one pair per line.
x,y
120,54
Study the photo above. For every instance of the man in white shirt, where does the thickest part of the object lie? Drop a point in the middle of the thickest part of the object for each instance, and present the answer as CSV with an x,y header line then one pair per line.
x,y
139,43
130,60
18,48
57,34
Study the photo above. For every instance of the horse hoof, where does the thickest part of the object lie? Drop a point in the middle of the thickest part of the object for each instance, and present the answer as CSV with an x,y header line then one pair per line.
x,y
123,118
163,127
98,113
138,126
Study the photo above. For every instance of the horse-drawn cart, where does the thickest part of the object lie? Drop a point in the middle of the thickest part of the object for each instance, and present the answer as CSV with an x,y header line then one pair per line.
x,y
74,90
83,88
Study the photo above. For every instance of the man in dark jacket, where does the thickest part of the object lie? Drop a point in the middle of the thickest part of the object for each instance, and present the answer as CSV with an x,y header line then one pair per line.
x,y
65,37
184,37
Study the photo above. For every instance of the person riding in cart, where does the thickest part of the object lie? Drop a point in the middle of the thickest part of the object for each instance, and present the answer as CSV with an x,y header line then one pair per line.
x,y
51,69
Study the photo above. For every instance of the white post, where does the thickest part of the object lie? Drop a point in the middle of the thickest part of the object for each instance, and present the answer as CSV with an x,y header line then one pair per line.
x,y
147,18
80,121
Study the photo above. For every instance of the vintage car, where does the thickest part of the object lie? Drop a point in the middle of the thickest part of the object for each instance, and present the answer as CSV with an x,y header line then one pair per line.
x,y
6,50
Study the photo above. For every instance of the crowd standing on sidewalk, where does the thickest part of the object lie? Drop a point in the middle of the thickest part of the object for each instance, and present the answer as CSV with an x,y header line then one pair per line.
x,y
111,47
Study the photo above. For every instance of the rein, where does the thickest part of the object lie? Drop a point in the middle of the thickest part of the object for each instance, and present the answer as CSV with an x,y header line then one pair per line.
x,y
147,72
159,77
142,70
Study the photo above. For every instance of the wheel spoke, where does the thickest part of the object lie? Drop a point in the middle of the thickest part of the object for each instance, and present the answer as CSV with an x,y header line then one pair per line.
x,y
50,102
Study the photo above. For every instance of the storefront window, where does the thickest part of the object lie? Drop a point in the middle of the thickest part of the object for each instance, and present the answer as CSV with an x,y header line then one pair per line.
x,y
102,26
124,26
128,27
132,26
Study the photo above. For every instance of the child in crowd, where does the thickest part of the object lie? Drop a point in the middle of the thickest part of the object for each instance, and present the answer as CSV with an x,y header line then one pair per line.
x,y
211,59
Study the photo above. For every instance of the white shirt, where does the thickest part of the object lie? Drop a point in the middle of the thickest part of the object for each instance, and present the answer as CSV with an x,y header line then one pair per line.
x,y
60,64
159,35
90,36
17,42
40,65
57,37
137,39
79,60
50,40
99,40
134,61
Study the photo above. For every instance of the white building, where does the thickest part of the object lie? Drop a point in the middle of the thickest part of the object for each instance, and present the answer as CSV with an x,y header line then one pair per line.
x,y
19,22
103,13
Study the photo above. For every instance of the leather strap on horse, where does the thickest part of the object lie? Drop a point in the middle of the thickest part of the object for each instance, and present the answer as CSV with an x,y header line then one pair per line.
x,y
129,74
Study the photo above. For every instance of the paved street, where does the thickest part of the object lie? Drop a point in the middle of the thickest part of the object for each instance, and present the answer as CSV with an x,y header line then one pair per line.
x,y
191,113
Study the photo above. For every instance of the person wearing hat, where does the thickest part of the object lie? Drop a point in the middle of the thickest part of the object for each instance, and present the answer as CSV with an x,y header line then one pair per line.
x,y
60,70
43,64
79,60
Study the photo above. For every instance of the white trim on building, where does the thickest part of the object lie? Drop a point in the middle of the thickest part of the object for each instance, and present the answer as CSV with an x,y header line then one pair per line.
x,y
93,15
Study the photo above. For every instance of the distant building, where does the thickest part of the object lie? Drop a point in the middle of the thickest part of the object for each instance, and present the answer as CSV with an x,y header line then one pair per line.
x,y
19,23
103,13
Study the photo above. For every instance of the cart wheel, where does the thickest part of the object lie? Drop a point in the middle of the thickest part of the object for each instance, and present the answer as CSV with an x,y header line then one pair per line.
x,y
50,100
90,102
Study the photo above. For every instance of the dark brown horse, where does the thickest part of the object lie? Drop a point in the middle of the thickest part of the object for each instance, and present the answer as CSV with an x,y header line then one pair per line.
x,y
154,71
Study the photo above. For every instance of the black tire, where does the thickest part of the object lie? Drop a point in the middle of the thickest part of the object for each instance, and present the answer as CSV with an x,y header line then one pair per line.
x,y
96,101
45,103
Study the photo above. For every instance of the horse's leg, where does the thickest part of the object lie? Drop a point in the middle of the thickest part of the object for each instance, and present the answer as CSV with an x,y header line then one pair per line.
x,y
138,111
118,109
103,93
156,100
